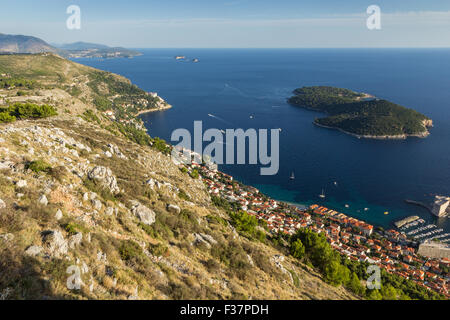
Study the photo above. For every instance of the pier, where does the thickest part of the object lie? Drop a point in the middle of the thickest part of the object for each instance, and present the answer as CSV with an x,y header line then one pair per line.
x,y
420,204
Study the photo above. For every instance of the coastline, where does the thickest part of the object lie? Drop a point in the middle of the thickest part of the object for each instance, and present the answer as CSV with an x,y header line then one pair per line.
x,y
166,107
386,137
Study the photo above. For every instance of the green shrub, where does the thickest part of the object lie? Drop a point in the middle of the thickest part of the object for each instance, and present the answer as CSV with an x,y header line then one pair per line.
x,y
161,145
212,265
102,103
39,166
5,117
194,174
246,225
159,250
103,192
31,111
18,83
221,203
297,249
148,230
90,116
183,195
130,250
216,220
234,257
73,228
321,255
184,170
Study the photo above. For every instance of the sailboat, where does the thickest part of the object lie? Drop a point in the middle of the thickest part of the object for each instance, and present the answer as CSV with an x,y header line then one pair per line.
x,y
292,176
322,195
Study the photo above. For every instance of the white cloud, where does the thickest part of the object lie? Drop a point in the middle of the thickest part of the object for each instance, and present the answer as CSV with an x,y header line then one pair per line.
x,y
400,29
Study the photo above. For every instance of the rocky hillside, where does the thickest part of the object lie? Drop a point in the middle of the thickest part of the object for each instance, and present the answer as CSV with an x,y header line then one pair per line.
x,y
92,208
23,44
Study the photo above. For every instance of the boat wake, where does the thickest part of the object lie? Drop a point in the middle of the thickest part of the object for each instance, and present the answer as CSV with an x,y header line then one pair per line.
x,y
219,118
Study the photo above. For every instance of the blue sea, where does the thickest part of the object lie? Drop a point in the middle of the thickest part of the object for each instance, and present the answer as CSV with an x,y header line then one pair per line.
x,y
248,88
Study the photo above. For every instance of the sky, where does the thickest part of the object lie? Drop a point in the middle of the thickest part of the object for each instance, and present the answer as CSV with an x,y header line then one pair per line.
x,y
233,23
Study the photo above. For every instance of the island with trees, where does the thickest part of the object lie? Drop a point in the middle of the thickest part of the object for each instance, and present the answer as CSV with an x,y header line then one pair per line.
x,y
360,114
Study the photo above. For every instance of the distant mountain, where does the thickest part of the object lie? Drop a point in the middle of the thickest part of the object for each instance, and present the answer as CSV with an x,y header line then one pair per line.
x,y
28,44
94,50
81,46
24,44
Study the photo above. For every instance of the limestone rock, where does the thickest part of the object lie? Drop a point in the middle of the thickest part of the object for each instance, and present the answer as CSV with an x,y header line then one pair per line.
x,y
7,237
144,214
55,243
75,240
114,150
97,204
150,183
58,215
6,165
43,200
173,208
110,211
108,154
34,251
21,184
105,177
204,238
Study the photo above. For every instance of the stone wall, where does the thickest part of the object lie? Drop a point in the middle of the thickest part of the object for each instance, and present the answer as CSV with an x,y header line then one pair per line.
x,y
434,250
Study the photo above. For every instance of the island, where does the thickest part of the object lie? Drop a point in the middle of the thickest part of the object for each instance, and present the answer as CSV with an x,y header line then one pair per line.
x,y
361,114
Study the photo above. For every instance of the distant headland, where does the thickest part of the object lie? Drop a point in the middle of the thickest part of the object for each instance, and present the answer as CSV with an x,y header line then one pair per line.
x,y
19,44
361,114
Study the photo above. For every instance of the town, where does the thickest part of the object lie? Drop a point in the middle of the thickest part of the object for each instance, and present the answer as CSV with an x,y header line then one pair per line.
x,y
391,250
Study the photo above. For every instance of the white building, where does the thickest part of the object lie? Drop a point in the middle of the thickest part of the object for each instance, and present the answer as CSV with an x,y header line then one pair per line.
x,y
441,206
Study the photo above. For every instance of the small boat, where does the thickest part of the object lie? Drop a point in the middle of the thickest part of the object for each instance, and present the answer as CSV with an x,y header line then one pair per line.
x,y
251,117
322,195
386,213
292,176
366,209
347,206
335,183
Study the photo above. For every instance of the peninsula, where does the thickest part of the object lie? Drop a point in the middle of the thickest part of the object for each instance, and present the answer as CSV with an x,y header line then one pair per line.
x,y
360,114
21,44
